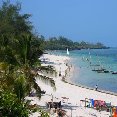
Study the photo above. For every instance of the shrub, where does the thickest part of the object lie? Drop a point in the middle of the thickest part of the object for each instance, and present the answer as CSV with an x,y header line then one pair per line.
x,y
10,106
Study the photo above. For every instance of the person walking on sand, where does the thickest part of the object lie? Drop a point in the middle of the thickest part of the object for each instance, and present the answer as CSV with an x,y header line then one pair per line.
x,y
96,87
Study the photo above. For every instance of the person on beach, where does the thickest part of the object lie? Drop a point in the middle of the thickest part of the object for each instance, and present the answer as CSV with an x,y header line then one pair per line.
x,y
96,87
59,73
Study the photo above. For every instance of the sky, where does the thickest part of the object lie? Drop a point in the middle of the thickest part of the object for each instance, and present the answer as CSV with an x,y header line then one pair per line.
x,y
88,20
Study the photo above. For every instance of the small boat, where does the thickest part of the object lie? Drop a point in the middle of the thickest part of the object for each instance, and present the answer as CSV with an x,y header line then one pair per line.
x,y
106,71
95,65
114,72
99,70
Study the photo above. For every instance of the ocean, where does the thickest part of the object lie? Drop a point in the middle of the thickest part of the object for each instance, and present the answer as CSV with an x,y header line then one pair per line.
x,y
85,62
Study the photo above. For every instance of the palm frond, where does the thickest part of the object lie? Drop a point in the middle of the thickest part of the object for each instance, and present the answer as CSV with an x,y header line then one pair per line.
x,y
20,85
37,88
47,80
48,69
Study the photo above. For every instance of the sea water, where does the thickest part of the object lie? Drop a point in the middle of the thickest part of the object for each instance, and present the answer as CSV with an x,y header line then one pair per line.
x,y
85,60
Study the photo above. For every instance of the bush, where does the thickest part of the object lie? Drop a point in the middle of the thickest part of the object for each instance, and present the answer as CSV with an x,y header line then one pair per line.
x,y
10,106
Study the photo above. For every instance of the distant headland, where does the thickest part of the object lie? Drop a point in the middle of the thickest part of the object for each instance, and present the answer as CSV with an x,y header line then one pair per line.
x,y
61,43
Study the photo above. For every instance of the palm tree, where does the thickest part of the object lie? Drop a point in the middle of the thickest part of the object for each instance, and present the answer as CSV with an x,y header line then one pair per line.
x,y
24,52
29,59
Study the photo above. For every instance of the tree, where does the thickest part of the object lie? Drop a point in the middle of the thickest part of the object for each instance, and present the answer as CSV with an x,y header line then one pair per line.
x,y
61,43
21,59
11,107
20,50
12,22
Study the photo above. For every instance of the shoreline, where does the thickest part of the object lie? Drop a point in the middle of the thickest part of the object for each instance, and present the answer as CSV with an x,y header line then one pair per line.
x,y
69,81
99,90
73,93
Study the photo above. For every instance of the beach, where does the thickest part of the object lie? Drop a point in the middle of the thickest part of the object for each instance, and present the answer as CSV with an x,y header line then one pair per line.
x,y
71,96
58,58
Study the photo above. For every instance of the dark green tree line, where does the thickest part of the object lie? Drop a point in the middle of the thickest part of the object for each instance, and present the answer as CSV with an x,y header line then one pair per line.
x,y
61,43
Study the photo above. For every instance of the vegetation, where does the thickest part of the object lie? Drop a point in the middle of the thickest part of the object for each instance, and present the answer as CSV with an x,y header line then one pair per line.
x,y
12,22
61,43
11,107
20,49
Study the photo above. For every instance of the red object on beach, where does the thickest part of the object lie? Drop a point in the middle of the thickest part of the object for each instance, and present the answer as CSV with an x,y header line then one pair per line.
x,y
114,112
95,103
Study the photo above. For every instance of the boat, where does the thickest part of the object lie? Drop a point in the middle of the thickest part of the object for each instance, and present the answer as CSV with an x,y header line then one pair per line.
x,y
106,71
67,51
95,65
114,72
103,71
99,69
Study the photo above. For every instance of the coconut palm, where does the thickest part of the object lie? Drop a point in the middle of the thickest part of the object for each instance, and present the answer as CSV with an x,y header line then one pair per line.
x,y
24,52
19,55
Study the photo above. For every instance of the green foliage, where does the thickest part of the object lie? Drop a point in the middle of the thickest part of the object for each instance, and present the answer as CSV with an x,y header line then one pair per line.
x,y
27,50
11,107
21,57
61,43
20,50
12,22
44,114
20,87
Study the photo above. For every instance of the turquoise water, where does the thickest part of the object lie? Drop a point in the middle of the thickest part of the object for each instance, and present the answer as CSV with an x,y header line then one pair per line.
x,y
84,61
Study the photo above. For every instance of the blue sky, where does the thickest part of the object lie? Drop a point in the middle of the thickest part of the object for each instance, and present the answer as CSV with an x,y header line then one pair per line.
x,y
88,20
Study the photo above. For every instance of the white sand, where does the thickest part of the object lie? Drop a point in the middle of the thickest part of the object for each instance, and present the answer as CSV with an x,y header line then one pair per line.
x,y
74,93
